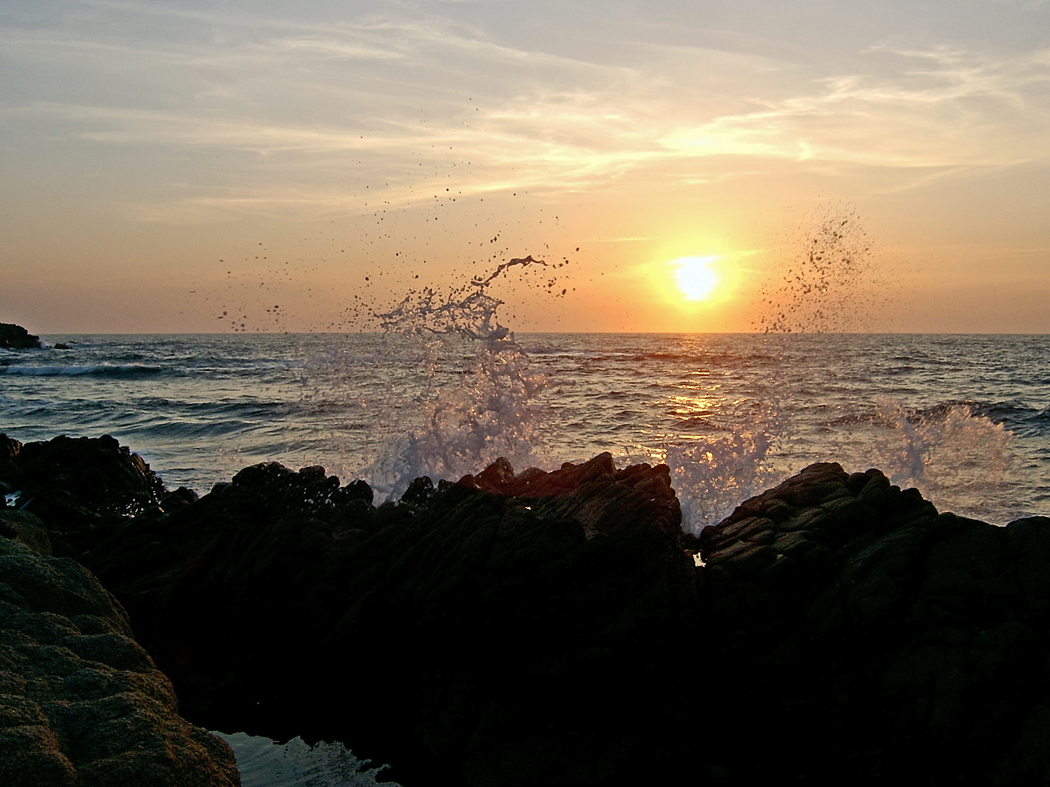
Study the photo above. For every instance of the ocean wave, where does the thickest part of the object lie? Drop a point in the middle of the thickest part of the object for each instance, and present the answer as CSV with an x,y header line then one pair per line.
x,y
243,409
1020,418
541,349
1012,414
169,429
703,422
104,369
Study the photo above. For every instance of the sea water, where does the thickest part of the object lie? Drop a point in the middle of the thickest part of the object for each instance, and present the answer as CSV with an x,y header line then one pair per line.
x,y
966,419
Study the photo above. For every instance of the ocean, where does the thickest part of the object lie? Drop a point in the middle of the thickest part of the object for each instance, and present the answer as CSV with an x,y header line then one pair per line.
x,y
965,419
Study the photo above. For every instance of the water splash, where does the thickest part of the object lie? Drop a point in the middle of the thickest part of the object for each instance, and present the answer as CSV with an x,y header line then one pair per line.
x,y
264,763
492,413
712,477
959,459
823,289
831,283
468,311
477,397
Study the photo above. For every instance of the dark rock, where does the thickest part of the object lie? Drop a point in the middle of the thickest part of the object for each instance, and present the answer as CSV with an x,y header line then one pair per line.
x,y
179,498
80,702
533,636
81,488
15,337
552,628
9,447
883,638
26,528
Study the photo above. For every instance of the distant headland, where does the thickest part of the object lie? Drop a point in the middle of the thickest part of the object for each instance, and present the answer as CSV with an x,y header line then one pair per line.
x,y
15,337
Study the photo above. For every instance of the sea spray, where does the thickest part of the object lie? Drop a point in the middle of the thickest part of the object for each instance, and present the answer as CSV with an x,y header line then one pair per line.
x,y
469,393
834,283
495,408
492,412
957,457
712,477
264,763
830,284
822,289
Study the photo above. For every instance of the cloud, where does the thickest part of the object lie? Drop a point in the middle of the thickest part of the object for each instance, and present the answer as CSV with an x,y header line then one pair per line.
x,y
399,90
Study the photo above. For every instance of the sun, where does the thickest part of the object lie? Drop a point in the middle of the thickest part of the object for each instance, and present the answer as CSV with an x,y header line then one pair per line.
x,y
694,278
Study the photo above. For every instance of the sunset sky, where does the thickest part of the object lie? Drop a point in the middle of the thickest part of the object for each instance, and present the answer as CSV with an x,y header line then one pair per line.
x,y
190,166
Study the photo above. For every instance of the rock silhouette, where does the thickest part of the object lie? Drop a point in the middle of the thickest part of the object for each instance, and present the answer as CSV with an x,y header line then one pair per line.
x,y
455,631
82,488
15,337
560,628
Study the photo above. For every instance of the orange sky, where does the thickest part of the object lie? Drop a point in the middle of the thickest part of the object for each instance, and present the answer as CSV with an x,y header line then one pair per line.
x,y
161,164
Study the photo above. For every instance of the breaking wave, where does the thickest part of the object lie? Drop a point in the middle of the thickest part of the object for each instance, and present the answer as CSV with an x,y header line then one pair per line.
x,y
102,369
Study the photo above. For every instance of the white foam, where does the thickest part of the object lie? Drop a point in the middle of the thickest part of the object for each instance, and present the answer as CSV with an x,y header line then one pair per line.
x,y
264,763
491,413
958,459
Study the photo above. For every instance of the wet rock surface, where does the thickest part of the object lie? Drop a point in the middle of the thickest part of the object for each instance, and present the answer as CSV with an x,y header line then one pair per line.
x,y
81,703
528,628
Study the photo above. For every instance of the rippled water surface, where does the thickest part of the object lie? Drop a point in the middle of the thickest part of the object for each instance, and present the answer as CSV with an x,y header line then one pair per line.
x,y
964,418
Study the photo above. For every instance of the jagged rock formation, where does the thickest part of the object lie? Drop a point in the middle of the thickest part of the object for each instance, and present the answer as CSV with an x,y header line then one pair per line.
x,y
870,636
15,337
462,633
81,704
82,488
554,628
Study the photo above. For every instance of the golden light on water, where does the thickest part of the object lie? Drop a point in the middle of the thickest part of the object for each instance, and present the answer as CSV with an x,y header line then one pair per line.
x,y
695,279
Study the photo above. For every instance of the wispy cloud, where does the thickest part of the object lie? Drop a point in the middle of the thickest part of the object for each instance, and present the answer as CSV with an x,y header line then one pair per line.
x,y
410,90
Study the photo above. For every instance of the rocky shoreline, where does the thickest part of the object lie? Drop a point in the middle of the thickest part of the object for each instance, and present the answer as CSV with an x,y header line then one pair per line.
x,y
521,629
